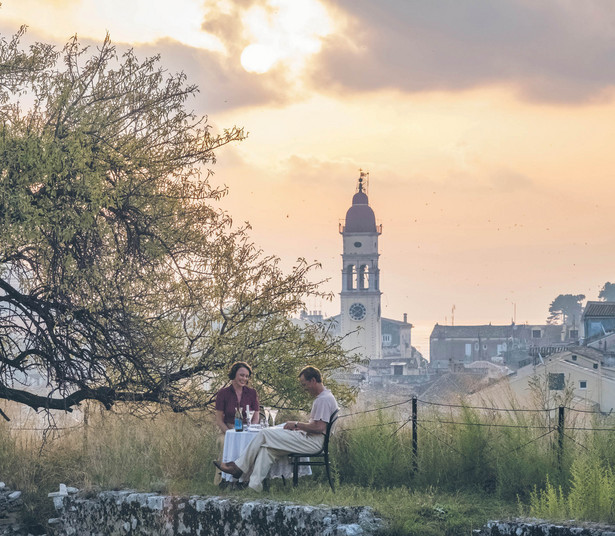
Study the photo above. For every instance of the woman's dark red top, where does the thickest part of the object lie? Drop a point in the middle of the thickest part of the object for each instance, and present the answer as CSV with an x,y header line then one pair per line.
x,y
226,402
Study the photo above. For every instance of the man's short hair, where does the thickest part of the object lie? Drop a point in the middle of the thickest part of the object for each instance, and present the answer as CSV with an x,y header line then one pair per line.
x,y
310,373
236,366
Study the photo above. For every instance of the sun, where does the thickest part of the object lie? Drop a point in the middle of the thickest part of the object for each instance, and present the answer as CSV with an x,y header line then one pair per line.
x,y
258,58
286,32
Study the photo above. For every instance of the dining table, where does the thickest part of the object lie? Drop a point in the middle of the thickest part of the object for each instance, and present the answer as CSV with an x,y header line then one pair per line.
x,y
236,442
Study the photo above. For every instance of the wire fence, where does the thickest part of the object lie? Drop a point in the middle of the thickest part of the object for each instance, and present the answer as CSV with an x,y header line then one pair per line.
x,y
544,411
559,423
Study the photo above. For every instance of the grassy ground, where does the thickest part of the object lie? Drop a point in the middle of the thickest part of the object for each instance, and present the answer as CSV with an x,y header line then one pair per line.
x,y
468,472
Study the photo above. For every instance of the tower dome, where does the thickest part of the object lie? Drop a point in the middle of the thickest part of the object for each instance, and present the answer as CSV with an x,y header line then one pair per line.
x,y
360,218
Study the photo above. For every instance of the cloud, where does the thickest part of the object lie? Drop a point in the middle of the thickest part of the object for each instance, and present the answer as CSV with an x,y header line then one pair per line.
x,y
209,50
556,51
223,83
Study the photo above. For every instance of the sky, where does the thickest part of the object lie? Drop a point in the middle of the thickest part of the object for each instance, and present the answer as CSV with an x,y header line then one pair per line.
x,y
487,129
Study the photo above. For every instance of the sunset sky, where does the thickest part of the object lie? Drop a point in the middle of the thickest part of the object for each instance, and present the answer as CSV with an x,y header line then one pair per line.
x,y
487,129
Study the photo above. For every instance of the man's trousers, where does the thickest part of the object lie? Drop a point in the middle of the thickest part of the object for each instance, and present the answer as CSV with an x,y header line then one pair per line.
x,y
271,444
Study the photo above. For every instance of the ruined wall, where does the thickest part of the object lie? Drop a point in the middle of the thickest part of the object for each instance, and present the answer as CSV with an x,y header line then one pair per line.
x,y
128,513
537,527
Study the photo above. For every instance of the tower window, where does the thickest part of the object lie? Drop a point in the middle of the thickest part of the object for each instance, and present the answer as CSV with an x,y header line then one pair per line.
x,y
350,277
363,276
357,244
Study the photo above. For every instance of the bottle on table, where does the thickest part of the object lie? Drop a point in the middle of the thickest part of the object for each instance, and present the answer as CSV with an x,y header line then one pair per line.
x,y
238,420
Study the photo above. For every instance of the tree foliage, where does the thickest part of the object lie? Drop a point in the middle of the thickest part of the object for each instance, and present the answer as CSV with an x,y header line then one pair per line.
x,y
607,292
120,280
566,309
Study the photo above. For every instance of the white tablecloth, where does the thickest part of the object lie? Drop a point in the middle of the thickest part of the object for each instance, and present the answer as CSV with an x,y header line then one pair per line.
x,y
236,442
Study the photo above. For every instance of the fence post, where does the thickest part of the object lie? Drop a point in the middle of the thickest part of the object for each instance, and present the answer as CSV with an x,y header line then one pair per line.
x,y
560,437
415,445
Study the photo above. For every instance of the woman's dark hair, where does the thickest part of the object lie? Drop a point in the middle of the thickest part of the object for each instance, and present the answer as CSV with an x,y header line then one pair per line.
x,y
310,373
235,367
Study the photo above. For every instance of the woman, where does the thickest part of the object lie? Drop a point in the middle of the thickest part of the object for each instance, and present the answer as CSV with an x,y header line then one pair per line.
x,y
237,394
228,399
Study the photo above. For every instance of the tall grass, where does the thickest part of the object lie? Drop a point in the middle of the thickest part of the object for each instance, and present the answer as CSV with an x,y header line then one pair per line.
x,y
374,454
462,449
590,495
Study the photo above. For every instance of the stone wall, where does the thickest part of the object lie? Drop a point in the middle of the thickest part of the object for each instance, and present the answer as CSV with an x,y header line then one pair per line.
x,y
537,527
10,506
127,513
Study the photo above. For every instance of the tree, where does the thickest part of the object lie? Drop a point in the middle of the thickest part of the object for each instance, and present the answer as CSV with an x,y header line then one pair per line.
x,y
120,280
607,292
17,67
566,308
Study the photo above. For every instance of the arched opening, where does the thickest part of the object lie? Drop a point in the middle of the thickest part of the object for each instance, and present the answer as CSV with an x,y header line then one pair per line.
x,y
351,277
364,276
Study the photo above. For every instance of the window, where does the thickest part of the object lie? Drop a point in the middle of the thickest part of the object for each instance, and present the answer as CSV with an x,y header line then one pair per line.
x,y
536,334
574,357
595,365
476,346
398,370
582,384
574,334
468,349
386,339
556,381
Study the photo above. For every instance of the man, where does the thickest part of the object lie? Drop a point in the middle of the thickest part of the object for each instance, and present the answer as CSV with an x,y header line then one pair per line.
x,y
273,443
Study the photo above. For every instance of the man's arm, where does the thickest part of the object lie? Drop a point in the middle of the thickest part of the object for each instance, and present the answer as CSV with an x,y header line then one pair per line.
x,y
312,427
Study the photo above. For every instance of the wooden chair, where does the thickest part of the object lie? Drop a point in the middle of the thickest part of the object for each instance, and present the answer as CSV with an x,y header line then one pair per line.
x,y
295,457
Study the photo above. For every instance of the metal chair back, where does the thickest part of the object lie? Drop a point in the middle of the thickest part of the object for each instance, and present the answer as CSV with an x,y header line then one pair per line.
x,y
296,457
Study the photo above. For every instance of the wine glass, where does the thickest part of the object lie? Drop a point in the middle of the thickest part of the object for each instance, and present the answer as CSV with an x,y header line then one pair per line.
x,y
249,414
273,412
267,411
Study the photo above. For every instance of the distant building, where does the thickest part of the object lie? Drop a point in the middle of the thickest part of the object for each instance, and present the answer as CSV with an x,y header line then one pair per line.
x,y
514,345
585,372
599,324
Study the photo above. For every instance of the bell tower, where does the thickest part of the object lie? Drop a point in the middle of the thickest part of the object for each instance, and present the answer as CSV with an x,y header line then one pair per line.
x,y
360,297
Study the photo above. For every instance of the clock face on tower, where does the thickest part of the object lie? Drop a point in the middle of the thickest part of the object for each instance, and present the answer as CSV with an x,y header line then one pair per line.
x,y
357,311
